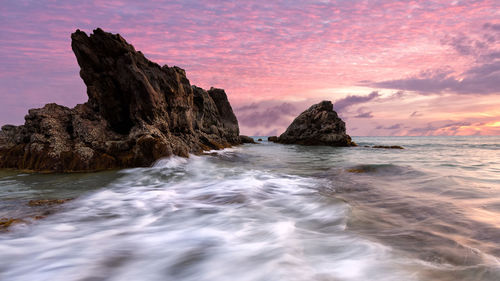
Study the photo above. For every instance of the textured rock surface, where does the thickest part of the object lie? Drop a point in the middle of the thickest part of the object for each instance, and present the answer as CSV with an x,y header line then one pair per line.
x,y
318,125
246,139
137,111
272,138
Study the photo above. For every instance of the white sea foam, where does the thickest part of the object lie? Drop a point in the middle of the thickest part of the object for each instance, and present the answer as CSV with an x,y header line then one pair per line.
x,y
204,222
170,162
212,217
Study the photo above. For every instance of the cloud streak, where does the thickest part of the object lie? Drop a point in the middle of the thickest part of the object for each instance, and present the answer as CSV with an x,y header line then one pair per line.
x,y
251,117
482,78
343,104
295,52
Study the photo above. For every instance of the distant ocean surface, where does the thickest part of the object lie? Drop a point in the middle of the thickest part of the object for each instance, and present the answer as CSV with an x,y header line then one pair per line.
x,y
267,212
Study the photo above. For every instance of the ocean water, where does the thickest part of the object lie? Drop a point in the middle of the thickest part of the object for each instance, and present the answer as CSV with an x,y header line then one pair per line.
x,y
267,212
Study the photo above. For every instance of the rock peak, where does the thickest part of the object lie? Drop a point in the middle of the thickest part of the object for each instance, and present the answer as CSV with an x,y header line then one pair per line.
x,y
325,105
136,113
318,125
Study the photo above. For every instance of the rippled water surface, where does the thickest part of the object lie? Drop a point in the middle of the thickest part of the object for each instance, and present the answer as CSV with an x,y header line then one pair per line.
x,y
266,212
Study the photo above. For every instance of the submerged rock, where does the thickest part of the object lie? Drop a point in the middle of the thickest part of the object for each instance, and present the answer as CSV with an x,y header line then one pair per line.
x,y
388,146
137,112
5,223
318,125
356,170
48,202
38,209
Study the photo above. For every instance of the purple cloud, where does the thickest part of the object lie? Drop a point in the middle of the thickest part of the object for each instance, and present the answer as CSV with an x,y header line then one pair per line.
x,y
251,106
393,127
492,26
273,132
415,114
267,117
482,78
482,47
363,113
278,50
433,127
342,104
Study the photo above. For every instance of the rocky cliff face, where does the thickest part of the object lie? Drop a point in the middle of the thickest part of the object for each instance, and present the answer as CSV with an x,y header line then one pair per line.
x,y
318,125
137,111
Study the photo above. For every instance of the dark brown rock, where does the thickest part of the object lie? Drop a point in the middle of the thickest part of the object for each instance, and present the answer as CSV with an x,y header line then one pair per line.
x,y
5,223
272,138
259,140
39,209
318,125
48,202
388,146
246,139
137,112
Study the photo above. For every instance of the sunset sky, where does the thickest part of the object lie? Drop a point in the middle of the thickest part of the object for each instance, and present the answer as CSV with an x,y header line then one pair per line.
x,y
390,67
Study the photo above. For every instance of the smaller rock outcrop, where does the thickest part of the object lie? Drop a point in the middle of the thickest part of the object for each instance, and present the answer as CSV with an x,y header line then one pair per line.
x,y
246,139
272,138
318,125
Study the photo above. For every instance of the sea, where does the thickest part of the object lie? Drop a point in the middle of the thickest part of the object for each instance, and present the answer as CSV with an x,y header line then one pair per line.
x,y
266,211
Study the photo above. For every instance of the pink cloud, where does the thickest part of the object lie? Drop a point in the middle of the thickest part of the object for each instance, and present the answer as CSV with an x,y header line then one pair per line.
x,y
285,51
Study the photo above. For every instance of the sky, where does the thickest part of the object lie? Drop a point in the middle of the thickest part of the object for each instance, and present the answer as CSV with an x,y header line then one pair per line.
x,y
391,68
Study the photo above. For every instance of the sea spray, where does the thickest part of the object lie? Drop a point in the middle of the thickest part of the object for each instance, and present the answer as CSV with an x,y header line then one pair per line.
x,y
268,212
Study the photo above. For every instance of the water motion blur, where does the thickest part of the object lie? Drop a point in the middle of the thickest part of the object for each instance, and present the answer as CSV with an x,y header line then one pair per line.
x,y
267,212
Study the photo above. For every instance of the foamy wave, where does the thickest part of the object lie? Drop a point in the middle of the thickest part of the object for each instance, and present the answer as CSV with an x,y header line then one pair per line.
x,y
170,162
254,213
222,151
188,219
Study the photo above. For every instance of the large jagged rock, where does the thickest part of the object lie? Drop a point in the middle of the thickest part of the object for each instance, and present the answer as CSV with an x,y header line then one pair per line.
x,y
318,125
137,112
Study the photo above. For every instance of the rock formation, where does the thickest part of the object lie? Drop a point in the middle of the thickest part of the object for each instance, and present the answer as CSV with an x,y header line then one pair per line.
x,y
388,146
272,138
246,139
137,111
318,125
